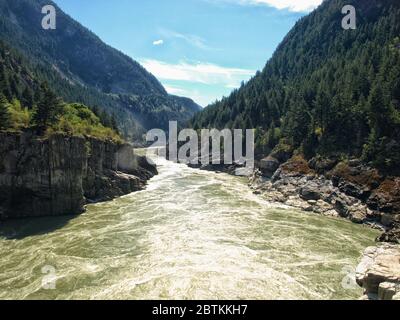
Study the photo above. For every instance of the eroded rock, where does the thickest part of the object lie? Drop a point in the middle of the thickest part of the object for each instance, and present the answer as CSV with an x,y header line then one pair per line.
x,y
59,174
268,166
391,236
351,189
379,271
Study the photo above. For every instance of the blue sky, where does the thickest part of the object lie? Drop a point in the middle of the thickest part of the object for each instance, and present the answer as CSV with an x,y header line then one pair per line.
x,y
200,49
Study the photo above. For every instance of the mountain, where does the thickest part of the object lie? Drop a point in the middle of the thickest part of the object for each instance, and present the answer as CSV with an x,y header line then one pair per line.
x,y
81,68
27,104
326,91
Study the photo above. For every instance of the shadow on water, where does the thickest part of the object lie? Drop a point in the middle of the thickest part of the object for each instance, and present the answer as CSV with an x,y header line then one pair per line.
x,y
17,229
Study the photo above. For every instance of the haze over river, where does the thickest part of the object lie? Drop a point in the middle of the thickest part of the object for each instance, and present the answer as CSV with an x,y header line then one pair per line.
x,y
190,235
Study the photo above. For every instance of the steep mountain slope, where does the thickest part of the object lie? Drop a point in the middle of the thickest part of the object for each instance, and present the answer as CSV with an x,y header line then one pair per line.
x,y
81,68
26,104
326,91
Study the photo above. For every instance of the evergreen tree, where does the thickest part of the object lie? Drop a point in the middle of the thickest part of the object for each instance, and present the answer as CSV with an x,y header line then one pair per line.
x,y
4,113
48,109
27,98
14,88
271,136
380,113
114,124
105,119
332,93
4,83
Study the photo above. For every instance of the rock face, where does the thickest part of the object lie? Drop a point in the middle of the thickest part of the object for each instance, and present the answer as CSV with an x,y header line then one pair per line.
x,y
59,175
350,190
268,166
392,236
386,197
379,272
306,190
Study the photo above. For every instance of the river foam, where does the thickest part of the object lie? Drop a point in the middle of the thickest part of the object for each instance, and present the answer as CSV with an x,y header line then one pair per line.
x,y
190,235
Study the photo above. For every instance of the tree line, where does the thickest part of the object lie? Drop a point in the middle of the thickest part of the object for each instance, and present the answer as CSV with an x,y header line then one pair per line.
x,y
26,102
326,91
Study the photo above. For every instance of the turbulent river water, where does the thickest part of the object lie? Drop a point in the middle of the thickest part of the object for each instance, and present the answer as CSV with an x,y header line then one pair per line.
x,y
190,235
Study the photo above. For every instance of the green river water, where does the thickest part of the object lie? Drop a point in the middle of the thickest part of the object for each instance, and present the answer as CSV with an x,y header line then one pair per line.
x,y
189,235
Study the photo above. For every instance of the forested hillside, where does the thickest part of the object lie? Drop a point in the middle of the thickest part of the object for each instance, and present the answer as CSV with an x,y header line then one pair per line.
x,y
326,91
28,104
79,67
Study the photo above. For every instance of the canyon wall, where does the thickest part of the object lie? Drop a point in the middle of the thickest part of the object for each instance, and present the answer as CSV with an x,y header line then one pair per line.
x,y
58,175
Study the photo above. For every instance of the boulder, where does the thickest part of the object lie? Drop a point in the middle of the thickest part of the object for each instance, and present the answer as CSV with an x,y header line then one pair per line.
x,y
358,215
389,220
379,271
391,236
322,165
268,166
310,193
341,208
277,175
354,190
387,290
282,152
297,166
386,198
355,180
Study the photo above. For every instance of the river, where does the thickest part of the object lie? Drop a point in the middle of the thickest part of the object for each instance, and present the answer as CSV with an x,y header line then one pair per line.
x,y
190,235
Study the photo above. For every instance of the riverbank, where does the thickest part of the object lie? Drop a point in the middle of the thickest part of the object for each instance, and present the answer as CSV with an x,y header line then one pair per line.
x,y
348,190
190,235
351,191
379,272
60,174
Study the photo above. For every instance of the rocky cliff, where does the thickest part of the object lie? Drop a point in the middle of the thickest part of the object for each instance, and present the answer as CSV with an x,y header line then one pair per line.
x,y
350,190
58,175
379,272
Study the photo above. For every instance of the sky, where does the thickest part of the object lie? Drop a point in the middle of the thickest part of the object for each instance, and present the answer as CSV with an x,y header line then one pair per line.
x,y
201,49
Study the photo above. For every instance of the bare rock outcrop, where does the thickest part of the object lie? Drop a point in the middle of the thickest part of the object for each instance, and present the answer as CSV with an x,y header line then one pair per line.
x,y
350,190
58,175
379,272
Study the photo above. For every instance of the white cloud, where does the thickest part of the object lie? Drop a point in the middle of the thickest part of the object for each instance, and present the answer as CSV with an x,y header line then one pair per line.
x,y
191,39
291,5
205,73
158,42
175,90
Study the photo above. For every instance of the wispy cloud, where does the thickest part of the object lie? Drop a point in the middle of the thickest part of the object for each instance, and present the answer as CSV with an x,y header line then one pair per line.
x,y
193,40
205,73
176,90
158,42
291,5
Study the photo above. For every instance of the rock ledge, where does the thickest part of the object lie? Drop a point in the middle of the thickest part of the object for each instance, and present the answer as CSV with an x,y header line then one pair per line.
x,y
379,272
